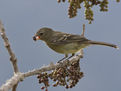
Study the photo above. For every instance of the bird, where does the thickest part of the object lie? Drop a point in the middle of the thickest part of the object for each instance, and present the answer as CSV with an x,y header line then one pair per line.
x,y
66,43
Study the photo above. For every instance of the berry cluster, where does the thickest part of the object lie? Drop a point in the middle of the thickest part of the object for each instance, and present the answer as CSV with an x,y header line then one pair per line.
x,y
67,76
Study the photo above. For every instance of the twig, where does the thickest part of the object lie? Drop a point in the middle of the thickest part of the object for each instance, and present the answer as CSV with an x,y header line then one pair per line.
x,y
7,45
13,59
83,30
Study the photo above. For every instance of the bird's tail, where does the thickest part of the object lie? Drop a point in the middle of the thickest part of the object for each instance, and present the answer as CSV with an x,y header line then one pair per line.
x,y
103,43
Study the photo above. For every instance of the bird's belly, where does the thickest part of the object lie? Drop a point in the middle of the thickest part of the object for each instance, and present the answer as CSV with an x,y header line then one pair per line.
x,y
67,48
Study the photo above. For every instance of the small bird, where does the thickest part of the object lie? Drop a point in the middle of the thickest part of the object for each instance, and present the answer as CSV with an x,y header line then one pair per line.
x,y
65,43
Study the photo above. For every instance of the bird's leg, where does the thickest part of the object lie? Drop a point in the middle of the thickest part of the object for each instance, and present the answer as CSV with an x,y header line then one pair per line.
x,y
66,55
71,55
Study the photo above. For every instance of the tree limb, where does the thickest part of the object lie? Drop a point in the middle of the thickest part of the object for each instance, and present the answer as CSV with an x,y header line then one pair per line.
x,y
21,76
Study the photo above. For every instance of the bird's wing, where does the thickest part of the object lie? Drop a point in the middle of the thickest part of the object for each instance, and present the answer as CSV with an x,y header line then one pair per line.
x,y
64,38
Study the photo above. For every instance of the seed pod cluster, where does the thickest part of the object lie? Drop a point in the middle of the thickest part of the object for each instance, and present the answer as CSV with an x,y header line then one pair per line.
x,y
74,5
88,11
117,0
72,10
43,78
61,1
67,76
104,5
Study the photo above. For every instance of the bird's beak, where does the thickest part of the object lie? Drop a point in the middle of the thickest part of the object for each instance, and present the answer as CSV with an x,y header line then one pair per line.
x,y
36,38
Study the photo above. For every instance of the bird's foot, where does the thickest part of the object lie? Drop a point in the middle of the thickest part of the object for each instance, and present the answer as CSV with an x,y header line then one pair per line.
x,y
65,58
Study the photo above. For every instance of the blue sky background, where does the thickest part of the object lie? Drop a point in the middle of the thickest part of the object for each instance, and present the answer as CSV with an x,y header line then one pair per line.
x,y
22,18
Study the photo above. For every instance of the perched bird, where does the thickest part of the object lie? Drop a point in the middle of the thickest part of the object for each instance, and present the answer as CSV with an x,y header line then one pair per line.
x,y
65,43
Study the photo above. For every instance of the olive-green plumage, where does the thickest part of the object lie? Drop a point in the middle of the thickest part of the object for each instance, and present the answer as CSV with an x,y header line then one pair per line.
x,y
65,43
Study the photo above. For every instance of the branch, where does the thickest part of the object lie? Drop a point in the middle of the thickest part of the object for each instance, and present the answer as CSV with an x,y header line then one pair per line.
x,y
11,82
7,45
21,76
13,59
52,66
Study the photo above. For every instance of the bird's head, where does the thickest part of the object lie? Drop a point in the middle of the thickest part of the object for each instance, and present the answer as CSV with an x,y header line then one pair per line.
x,y
43,34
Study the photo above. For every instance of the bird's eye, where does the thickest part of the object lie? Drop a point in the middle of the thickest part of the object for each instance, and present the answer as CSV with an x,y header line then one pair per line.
x,y
41,33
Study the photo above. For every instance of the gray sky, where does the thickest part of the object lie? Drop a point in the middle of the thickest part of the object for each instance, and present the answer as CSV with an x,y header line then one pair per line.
x,y
22,18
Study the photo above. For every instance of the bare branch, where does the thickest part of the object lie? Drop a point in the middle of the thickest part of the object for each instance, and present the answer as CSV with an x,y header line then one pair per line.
x,y
13,59
7,45
11,82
